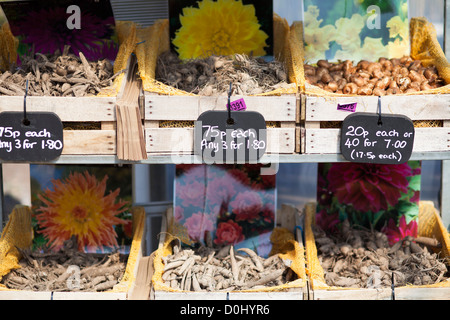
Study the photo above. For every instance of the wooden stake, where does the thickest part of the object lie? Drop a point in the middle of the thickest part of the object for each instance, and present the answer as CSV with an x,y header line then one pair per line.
x,y
130,131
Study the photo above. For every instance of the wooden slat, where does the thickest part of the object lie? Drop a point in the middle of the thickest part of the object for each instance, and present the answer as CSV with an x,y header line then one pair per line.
x,y
89,142
287,217
143,282
89,296
189,108
181,140
294,295
298,139
72,109
170,140
299,227
417,107
130,143
362,294
319,141
422,293
280,141
24,295
162,295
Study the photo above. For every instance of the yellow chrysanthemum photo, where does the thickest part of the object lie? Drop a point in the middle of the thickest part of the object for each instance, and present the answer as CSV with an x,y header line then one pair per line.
x,y
222,27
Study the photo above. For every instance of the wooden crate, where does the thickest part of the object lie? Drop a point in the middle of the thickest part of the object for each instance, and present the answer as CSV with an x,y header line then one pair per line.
x,y
320,113
121,291
83,111
428,220
283,110
319,290
90,122
297,293
430,225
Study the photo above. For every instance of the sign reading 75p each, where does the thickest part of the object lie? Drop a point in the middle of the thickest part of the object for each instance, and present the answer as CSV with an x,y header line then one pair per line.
x,y
38,138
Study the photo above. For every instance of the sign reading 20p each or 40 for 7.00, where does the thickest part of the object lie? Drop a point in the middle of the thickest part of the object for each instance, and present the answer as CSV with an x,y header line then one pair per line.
x,y
38,138
369,138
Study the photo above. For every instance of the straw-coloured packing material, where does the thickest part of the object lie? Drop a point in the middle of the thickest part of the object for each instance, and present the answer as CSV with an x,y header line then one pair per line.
x,y
18,233
292,251
430,225
129,276
126,34
424,47
8,47
154,40
279,238
416,123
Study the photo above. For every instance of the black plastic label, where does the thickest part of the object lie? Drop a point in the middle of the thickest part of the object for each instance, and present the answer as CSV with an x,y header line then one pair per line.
x,y
38,138
241,139
369,138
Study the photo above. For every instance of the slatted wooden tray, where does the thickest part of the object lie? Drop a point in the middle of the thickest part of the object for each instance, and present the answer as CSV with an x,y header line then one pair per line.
x,y
321,121
169,120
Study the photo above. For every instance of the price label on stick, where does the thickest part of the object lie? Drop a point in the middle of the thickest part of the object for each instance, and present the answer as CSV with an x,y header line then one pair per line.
x,y
369,138
36,138
240,139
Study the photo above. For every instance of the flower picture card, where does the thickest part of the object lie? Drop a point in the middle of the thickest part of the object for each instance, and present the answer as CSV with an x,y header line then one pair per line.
x,y
375,196
47,26
355,30
234,204
90,203
202,28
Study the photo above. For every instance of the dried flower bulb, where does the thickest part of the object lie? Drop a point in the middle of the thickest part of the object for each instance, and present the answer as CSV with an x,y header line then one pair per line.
x,y
350,88
365,91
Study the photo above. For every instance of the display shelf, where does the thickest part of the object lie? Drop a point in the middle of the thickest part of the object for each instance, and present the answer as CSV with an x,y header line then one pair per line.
x,y
190,159
84,148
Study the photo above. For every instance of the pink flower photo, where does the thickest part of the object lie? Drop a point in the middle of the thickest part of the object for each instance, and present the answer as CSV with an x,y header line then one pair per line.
x,y
247,206
228,233
197,224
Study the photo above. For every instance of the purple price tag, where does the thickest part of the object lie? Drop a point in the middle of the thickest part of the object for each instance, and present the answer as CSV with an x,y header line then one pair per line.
x,y
347,107
238,105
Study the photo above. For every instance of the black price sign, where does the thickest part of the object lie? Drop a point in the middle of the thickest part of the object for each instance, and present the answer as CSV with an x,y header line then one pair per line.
x,y
36,138
235,137
371,138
